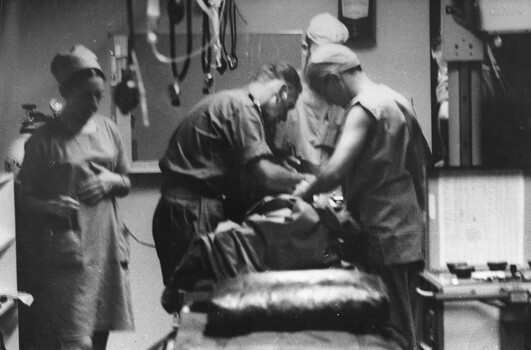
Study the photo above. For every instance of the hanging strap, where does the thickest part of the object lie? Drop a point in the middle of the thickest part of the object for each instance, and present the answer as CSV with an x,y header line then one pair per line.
x,y
223,30
130,38
233,59
180,76
206,55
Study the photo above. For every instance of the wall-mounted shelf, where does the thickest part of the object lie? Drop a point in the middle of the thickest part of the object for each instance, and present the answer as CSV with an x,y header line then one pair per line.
x,y
145,167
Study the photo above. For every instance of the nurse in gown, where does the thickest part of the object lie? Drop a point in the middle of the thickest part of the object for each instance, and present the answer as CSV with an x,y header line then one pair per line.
x,y
74,252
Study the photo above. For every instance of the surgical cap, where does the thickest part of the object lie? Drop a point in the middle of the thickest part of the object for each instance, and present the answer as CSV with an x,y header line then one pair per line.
x,y
329,59
325,29
66,64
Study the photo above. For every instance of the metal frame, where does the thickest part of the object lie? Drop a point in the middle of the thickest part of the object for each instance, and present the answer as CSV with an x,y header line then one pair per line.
x,y
464,51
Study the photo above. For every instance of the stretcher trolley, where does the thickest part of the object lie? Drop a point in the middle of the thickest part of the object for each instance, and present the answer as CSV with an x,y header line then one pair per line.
x,y
310,309
276,282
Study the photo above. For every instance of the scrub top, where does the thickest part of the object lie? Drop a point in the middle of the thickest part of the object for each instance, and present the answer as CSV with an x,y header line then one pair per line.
x,y
79,265
212,145
386,187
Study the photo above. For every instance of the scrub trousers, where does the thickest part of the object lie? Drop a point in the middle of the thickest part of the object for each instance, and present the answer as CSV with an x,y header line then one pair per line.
x,y
178,219
402,282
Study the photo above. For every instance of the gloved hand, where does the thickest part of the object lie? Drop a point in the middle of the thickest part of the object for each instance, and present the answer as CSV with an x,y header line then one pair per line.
x,y
97,187
303,186
63,206
290,163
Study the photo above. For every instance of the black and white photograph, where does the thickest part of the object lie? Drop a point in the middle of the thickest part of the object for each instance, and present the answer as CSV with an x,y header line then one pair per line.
x,y
265,174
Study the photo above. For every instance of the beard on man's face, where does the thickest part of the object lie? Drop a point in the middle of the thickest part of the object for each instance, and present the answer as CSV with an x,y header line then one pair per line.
x,y
272,120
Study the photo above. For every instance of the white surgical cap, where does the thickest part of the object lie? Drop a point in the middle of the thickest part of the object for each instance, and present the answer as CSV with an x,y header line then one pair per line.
x,y
325,29
78,58
329,59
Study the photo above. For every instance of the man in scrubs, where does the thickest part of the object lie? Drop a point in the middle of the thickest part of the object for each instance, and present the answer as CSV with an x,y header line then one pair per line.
x,y
223,136
380,160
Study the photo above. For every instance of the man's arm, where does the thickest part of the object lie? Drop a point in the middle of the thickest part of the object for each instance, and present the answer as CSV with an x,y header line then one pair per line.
x,y
356,130
275,178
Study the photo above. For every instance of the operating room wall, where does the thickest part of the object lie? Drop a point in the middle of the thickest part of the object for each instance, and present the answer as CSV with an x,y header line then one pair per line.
x,y
32,31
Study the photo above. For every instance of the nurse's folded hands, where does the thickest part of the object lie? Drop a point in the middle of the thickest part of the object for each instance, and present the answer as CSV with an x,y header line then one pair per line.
x,y
95,188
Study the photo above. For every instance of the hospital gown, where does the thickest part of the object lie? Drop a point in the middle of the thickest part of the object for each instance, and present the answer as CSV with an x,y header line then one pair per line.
x,y
76,268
